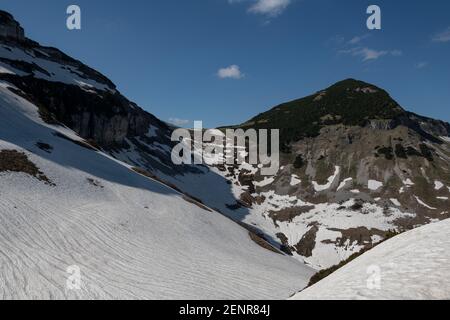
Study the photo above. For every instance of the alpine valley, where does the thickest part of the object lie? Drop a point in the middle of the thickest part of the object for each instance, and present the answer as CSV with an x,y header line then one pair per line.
x,y
86,179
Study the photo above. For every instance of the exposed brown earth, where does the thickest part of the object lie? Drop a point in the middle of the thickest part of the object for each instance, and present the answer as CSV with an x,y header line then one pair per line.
x,y
307,244
262,242
362,236
14,161
288,214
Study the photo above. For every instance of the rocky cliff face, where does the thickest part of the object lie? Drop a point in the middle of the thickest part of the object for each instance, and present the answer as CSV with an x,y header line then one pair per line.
x,y
10,28
355,166
355,169
69,92
103,116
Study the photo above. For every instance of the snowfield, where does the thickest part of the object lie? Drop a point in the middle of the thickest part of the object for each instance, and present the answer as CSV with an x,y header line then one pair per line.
x,y
56,72
131,237
331,219
413,265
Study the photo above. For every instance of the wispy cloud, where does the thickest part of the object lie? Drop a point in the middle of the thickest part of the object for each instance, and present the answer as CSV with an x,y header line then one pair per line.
x,y
358,39
270,8
443,36
421,65
354,47
367,54
396,53
179,122
231,72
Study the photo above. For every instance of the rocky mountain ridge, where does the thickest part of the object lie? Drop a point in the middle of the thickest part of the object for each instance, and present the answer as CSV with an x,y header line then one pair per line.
x,y
76,223
355,166
10,28
69,92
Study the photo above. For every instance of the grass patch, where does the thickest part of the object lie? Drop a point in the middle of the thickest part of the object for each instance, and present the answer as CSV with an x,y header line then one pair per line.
x,y
14,161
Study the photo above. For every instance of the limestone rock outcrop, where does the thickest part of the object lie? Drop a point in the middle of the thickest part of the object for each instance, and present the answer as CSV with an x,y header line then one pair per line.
x,y
10,28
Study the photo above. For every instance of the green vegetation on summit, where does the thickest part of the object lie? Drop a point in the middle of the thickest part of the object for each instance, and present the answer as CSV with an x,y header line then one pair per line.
x,y
349,102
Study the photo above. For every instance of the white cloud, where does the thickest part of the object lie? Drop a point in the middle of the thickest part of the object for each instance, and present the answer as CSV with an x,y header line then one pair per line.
x,y
368,54
358,39
179,122
353,47
443,36
422,65
271,8
396,53
231,72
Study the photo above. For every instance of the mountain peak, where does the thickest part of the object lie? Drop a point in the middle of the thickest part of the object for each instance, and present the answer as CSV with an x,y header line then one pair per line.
x,y
351,81
10,28
349,102
353,85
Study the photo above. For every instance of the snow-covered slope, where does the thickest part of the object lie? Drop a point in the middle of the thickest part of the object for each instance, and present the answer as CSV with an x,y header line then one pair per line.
x,y
413,265
337,193
343,187
42,67
130,236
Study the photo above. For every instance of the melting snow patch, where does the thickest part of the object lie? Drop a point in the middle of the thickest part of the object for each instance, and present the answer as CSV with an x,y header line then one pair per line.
x,y
438,185
248,167
56,72
374,185
442,198
408,182
319,187
6,70
265,182
344,183
295,180
423,203
396,202
447,139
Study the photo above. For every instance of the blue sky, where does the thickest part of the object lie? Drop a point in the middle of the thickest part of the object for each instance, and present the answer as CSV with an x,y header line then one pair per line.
x,y
224,61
